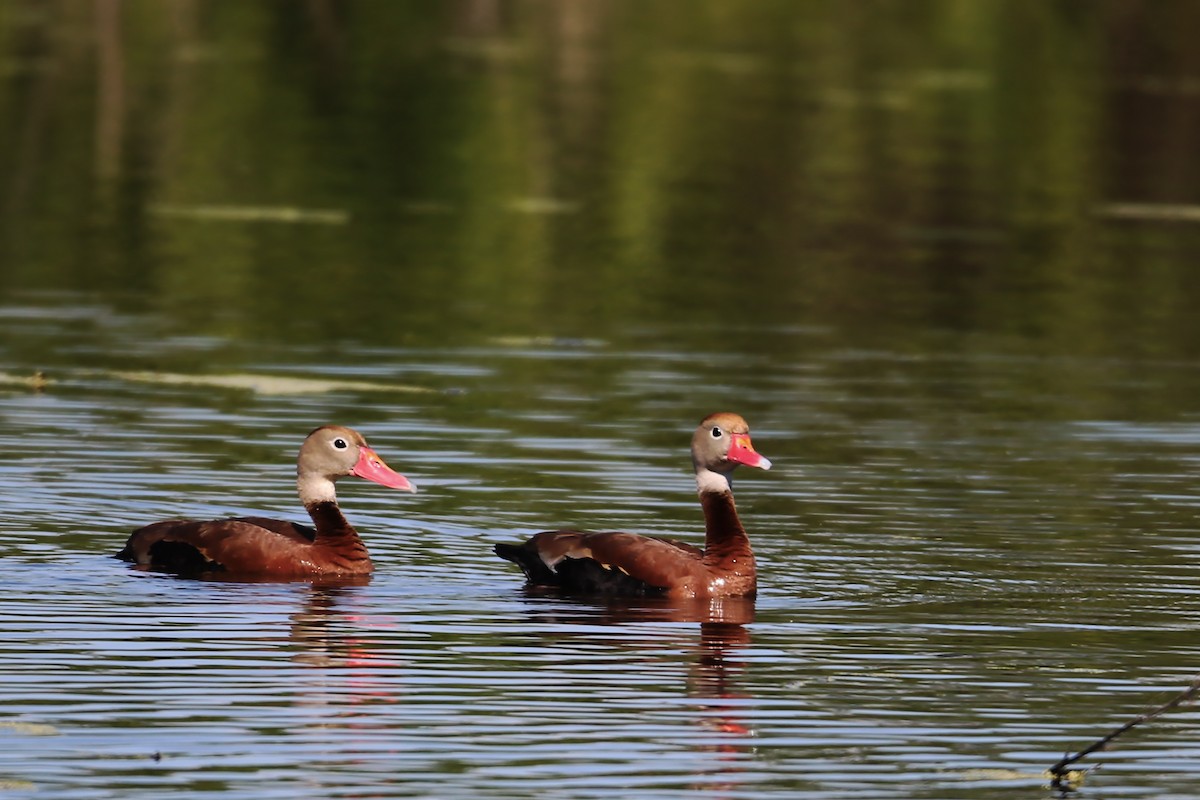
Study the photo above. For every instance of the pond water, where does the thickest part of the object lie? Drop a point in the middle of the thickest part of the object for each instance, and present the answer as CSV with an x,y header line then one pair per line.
x,y
940,255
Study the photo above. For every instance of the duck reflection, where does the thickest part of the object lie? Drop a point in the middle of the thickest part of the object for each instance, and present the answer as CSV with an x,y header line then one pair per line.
x,y
348,669
713,664
319,629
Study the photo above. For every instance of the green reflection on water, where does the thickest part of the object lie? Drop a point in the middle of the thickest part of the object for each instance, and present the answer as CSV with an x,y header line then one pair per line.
x,y
418,173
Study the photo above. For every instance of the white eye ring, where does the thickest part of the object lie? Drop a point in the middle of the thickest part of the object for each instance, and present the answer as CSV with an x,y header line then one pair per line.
x,y
340,443
717,433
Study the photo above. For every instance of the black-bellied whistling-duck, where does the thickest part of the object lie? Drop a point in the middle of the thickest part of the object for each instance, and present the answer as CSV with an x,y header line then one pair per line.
x,y
627,564
269,548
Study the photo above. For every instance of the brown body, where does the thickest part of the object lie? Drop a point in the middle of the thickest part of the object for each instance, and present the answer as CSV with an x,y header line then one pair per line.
x,y
627,564
263,547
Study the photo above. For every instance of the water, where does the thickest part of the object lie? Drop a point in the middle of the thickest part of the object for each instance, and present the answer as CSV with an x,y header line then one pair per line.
x,y
941,256
950,598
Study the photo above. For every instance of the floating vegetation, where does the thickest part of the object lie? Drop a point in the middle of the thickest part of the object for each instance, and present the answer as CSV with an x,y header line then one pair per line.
x,y
1152,212
998,774
951,80
37,381
269,384
541,206
1068,781
7,785
1064,779
28,728
545,341
286,214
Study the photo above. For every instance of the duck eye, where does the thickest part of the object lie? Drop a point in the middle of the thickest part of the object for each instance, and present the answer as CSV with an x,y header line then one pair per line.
x,y
717,433
340,444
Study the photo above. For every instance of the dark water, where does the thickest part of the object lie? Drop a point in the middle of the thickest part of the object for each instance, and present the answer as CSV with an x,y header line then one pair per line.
x,y
940,254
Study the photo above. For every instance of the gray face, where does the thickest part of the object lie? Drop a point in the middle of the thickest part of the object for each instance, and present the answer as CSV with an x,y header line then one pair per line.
x,y
712,440
330,451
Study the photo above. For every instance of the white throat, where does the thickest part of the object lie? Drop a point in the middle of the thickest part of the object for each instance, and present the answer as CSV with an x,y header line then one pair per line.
x,y
315,489
709,481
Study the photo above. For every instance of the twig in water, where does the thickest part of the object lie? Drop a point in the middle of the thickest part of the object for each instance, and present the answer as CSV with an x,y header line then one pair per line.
x,y
1059,771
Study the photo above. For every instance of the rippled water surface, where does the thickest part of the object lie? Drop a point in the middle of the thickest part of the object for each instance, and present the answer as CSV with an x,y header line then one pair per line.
x,y
949,599
940,254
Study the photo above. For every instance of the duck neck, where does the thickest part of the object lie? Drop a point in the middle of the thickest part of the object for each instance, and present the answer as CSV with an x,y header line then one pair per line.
x,y
333,528
320,500
725,540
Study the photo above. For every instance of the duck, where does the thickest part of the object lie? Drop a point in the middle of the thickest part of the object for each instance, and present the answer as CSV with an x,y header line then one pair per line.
x,y
260,547
619,564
